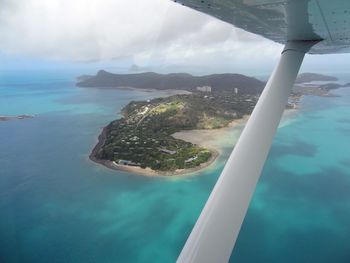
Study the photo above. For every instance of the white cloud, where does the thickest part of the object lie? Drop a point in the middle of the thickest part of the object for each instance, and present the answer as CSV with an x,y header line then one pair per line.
x,y
149,32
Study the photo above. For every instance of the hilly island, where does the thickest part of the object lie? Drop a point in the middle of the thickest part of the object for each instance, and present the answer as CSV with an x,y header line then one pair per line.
x,y
175,81
142,142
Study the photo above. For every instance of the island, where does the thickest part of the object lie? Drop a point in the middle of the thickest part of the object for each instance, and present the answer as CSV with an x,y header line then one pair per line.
x,y
305,84
172,81
311,77
317,85
145,140
17,117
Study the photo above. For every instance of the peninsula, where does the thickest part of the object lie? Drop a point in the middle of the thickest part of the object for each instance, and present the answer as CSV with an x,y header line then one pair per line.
x,y
143,137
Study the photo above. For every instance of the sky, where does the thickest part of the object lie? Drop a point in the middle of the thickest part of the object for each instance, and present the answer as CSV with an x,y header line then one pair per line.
x,y
133,36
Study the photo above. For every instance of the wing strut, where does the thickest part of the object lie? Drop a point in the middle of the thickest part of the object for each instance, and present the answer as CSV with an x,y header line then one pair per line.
x,y
215,232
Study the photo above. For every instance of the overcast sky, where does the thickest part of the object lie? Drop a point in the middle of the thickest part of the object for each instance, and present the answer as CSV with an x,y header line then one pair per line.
x,y
157,35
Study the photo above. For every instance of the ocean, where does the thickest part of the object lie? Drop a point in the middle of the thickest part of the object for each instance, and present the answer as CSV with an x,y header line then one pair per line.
x,y
58,206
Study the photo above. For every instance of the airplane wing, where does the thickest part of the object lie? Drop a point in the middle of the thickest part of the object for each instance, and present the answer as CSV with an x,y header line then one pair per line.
x,y
304,26
283,20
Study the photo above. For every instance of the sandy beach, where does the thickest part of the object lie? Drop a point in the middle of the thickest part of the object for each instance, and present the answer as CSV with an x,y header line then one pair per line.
x,y
208,138
149,172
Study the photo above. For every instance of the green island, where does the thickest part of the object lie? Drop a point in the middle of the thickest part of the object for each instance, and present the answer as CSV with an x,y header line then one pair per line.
x,y
148,139
142,137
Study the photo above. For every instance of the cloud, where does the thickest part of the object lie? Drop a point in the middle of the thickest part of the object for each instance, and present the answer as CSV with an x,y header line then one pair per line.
x,y
157,34
149,32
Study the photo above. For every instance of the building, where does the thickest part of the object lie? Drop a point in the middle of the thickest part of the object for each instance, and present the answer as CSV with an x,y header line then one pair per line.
x,y
204,89
167,151
127,162
191,159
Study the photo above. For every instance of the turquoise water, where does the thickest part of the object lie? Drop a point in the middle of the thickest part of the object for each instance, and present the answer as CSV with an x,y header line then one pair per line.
x,y
57,206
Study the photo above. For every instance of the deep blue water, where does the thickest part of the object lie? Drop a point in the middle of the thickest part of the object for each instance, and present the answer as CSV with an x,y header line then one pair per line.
x,y
57,206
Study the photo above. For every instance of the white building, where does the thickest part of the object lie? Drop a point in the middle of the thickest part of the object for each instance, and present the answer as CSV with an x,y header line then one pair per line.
x,y
204,89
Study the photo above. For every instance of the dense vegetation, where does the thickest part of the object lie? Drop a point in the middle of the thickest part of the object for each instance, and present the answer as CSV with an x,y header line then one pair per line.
x,y
182,81
143,136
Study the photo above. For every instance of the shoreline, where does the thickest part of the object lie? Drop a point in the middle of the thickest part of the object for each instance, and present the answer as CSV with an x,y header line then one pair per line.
x,y
149,172
214,149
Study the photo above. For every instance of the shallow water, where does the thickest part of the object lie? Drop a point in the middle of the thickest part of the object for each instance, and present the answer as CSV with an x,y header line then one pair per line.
x,y
57,206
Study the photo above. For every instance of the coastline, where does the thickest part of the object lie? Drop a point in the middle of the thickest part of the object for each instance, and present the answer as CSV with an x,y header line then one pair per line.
x,y
201,137
149,172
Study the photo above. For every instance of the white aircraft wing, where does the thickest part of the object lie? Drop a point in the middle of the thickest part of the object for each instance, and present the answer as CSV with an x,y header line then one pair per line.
x,y
282,20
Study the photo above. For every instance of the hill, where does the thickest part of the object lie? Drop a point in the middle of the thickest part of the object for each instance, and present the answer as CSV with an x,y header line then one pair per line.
x,y
180,81
309,77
